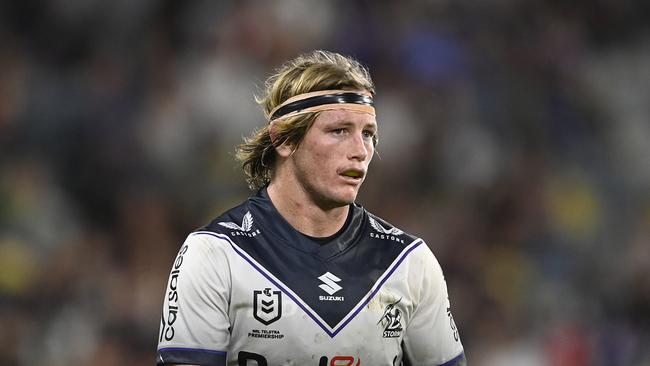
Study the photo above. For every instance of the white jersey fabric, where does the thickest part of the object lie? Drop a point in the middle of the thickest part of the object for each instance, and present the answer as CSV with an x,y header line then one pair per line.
x,y
248,289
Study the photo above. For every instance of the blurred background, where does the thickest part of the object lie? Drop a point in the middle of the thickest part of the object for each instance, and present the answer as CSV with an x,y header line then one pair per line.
x,y
514,138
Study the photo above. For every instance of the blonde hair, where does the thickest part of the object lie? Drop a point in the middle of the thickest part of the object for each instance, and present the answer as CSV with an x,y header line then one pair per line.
x,y
318,70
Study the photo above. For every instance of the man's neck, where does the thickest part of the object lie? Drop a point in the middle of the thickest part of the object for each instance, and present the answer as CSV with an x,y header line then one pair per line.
x,y
305,215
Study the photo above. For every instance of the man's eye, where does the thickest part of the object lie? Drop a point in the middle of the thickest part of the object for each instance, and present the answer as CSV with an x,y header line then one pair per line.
x,y
368,134
338,131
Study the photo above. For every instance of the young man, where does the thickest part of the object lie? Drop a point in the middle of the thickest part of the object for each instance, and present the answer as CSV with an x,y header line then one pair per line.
x,y
300,274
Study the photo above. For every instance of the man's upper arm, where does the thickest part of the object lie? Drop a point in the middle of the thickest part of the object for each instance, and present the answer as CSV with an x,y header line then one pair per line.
x,y
431,337
198,289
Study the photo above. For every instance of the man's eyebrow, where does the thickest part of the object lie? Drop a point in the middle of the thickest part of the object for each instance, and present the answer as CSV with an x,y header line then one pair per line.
x,y
347,123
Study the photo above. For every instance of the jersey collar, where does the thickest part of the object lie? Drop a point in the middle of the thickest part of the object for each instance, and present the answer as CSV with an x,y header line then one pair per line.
x,y
274,224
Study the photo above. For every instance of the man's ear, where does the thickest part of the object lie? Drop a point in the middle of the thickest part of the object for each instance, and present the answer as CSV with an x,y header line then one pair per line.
x,y
284,149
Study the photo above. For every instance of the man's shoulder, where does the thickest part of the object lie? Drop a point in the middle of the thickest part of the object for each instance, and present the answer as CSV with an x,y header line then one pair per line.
x,y
382,229
236,218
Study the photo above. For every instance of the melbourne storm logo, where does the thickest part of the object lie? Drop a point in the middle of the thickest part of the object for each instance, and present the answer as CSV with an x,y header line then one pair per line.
x,y
392,320
267,306
245,229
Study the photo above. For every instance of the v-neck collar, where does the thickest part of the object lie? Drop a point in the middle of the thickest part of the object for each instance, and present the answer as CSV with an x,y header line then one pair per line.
x,y
276,225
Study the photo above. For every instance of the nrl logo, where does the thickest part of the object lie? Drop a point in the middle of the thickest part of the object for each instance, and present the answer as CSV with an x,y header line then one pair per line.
x,y
392,233
267,305
245,229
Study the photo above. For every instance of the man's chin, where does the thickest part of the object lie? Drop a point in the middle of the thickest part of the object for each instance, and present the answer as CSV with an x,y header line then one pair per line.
x,y
337,201
345,200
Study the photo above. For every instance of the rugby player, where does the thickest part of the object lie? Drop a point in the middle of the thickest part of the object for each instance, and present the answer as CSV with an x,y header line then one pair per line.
x,y
299,273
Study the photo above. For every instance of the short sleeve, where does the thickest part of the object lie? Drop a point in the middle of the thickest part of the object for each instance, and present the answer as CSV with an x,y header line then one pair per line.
x,y
431,337
194,327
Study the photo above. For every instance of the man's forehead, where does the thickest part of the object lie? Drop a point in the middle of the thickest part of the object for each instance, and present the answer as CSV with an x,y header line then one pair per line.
x,y
346,116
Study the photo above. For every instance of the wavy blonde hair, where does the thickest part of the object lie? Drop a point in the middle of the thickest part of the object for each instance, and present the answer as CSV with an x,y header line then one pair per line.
x,y
315,71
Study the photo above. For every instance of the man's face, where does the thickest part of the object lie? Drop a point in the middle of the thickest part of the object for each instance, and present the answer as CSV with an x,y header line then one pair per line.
x,y
332,160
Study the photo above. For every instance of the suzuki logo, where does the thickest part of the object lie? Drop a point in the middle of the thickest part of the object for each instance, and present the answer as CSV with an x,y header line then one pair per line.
x,y
330,283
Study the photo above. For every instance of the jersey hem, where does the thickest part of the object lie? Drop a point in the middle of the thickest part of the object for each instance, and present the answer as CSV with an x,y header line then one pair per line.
x,y
454,360
195,356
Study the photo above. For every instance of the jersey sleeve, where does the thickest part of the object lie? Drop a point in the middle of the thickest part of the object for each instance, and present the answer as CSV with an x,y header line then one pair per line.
x,y
194,327
431,338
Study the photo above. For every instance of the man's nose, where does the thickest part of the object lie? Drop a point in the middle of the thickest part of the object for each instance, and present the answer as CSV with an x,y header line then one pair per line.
x,y
359,149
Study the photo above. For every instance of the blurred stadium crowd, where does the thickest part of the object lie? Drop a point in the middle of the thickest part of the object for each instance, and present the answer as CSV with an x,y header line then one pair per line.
x,y
514,138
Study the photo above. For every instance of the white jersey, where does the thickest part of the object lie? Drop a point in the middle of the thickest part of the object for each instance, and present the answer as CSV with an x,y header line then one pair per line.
x,y
249,287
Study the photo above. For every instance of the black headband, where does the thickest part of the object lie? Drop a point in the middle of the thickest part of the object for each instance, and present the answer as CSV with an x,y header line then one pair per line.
x,y
336,98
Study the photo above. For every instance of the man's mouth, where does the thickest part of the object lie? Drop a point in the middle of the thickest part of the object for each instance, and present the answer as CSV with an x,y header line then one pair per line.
x,y
353,173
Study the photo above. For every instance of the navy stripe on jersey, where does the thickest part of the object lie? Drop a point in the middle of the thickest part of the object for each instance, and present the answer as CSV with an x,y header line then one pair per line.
x,y
192,356
456,361
346,269
313,313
